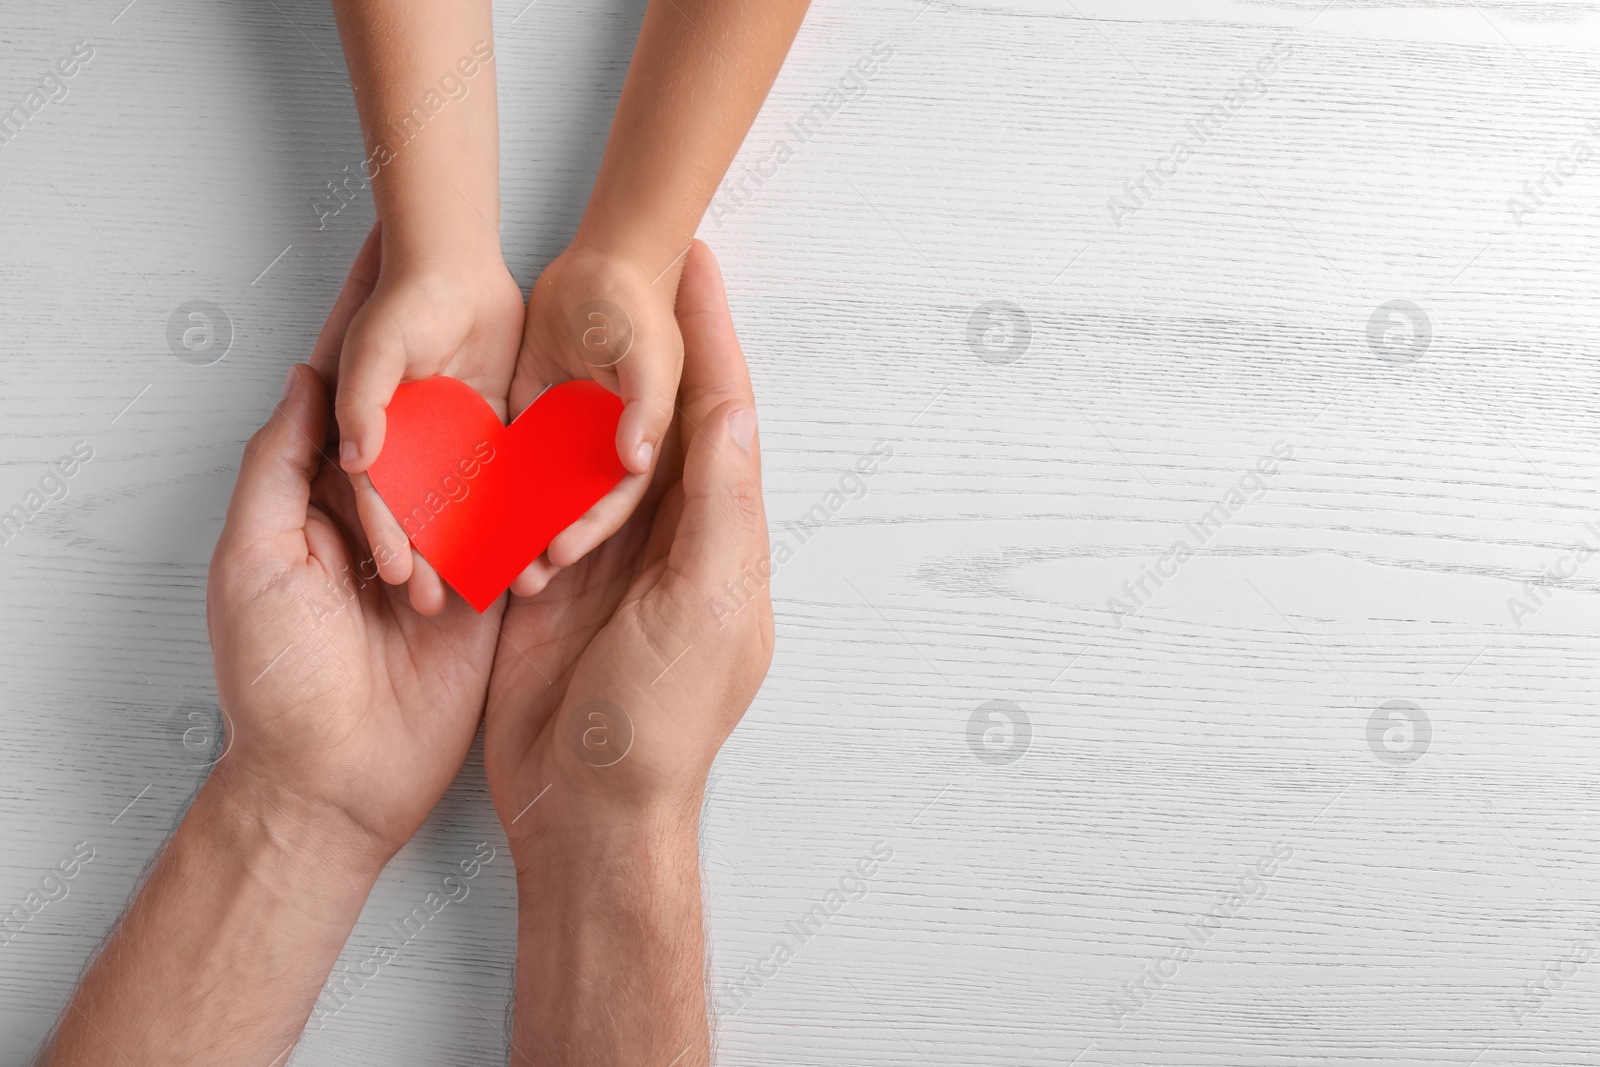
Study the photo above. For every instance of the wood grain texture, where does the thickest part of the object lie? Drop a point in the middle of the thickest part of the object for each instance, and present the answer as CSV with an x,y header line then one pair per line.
x,y
1226,718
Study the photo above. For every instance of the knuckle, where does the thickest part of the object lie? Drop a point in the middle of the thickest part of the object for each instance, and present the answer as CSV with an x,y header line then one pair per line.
x,y
385,528
254,447
743,505
349,402
759,654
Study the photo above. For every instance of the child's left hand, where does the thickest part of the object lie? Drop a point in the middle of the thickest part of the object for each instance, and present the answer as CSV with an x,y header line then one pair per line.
x,y
599,315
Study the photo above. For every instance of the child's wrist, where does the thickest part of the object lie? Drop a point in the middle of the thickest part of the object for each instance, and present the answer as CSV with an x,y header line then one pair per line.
x,y
439,219
649,249
420,244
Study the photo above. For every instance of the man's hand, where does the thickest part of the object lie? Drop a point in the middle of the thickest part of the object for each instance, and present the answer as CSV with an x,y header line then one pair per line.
x,y
340,698
613,690
347,716
647,623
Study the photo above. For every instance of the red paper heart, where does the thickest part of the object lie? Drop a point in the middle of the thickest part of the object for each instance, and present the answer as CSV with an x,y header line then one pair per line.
x,y
480,500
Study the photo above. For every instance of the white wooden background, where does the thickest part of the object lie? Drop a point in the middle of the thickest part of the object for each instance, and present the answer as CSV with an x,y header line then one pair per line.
x,y
1426,903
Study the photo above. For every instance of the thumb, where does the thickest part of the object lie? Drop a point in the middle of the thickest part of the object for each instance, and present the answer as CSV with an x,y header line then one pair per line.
x,y
371,365
723,527
714,368
274,486
358,286
722,531
647,379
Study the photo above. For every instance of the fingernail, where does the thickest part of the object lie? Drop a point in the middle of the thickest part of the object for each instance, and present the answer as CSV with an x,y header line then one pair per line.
x,y
348,452
742,424
288,385
644,452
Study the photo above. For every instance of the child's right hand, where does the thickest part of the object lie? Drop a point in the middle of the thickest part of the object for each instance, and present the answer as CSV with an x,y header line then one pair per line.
x,y
454,311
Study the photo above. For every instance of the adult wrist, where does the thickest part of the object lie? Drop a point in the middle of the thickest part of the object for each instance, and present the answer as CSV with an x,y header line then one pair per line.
x,y
586,830
610,942
307,847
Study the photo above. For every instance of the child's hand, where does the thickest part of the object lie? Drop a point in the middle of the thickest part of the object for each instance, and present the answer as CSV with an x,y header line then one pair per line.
x,y
454,311
598,315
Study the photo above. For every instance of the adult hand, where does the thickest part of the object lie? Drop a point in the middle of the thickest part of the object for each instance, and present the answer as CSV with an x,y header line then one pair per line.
x,y
612,692
344,706
347,716
639,646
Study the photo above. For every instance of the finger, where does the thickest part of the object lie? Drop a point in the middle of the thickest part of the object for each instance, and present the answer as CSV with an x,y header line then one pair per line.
x,y
714,369
426,588
274,484
599,522
358,285
371,364
534,577
391,549
647,379
528,381
722,532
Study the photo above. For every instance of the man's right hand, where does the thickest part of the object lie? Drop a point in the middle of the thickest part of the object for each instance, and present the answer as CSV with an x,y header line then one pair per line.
x,y
641,646
612,691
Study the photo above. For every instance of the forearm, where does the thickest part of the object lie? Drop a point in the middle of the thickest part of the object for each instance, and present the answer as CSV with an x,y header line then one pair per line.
x,y
700,72
610,943
424,79
223,951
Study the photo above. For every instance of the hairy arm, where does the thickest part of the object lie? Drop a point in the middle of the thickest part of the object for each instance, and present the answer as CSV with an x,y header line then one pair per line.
x,y
610,944
222,953
344,727
599,780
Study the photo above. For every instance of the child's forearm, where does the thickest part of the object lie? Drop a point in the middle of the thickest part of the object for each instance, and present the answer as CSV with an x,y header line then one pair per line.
x,y
700,72
424,79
